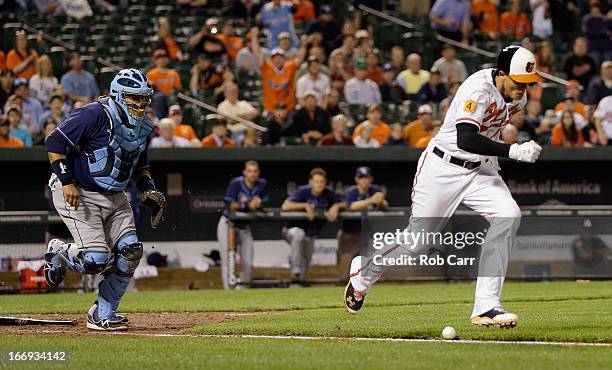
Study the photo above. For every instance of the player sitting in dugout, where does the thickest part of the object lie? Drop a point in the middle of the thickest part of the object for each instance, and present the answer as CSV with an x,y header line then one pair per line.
x,y
301,234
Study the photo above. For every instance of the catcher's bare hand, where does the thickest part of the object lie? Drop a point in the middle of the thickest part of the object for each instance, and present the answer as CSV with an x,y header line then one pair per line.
x,y
157,202
71,195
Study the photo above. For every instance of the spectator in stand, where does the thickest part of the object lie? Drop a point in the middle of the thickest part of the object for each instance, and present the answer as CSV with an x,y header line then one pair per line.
x,y
578,65
534,121
79,84
338,71
332,106
277,74
424,141
164,80
360,89
245,10
397,60
572,92
205,76
390,90
246,60
250,138
14,119
304,12
364,44
514,22
276,124
327,27
48,129
163,40
603,120
232,43
509,134
451,18
545,58
55,112
347,50
485,17
21,60
451,69
452,90
285,43
206,41
364,195
277,17
365,139
318,53
301,235
541,18
2,61
565,17
397,136
348,28
314,80
31,109
420,127
565,133
548,121
6,140
167,138
432,92
380,130
309,122
337,137
181,129
601,86
525,132
597,28
415,8
413,78
218,137
42,83
239,108
374,70
7,78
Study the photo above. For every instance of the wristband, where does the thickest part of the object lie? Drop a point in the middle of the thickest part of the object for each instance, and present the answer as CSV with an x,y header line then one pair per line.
x,y
145,183
62,171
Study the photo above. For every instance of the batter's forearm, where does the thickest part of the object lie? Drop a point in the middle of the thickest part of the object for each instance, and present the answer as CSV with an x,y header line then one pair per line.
x,y
470,140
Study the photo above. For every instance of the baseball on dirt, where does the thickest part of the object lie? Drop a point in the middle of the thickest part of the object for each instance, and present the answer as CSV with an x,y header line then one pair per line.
x,y
449,333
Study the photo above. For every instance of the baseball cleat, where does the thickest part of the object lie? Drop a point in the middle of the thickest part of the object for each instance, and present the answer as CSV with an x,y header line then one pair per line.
x,y
112,324
496,317
53,275
115,317
352,303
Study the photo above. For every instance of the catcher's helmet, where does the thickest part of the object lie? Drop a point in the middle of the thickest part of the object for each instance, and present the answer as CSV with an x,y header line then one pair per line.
x,y
131,90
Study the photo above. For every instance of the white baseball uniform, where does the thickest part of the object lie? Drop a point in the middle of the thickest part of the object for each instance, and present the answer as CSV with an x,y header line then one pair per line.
x,y
441,186
604,113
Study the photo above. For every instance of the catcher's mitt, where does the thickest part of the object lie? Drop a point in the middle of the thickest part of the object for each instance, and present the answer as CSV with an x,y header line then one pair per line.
x,y
157,202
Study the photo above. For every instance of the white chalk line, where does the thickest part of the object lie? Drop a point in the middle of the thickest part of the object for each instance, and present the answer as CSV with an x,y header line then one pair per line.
x,y
364,339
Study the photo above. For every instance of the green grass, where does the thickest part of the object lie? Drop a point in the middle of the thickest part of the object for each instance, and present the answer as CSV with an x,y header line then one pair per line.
x,y
106,352
562,311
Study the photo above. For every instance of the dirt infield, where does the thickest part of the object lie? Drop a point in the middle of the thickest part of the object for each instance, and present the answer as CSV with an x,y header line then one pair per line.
x,y
140,323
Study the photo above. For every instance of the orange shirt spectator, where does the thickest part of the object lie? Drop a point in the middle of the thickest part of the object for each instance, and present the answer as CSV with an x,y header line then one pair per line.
x,y
172,47
164,80
13,59
232,43
486,14
218,137
565,132
185,131
420,128
305,12
278,84
514,22
2,61
7,141
380,132
578,108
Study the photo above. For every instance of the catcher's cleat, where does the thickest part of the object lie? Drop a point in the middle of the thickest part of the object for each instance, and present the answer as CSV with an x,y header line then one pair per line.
x,y
54,275
112,324
115,317
352,303
496,317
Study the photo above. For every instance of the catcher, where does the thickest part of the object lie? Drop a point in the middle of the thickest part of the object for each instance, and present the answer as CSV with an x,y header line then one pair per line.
x,y
94,154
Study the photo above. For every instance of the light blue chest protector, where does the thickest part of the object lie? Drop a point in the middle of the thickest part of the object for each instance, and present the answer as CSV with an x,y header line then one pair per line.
x,y
111,167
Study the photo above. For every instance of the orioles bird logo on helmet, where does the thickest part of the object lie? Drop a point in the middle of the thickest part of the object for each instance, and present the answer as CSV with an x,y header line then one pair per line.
x,y
529,67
